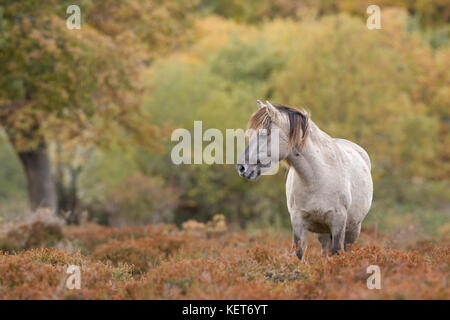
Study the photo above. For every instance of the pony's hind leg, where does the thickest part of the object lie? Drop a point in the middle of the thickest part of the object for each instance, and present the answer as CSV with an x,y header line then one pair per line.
x,y
325,241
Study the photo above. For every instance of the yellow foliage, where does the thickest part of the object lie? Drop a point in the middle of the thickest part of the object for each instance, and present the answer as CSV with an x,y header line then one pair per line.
x,y
215,227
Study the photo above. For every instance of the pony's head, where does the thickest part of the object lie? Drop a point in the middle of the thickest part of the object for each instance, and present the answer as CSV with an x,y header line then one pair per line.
x,y
279,128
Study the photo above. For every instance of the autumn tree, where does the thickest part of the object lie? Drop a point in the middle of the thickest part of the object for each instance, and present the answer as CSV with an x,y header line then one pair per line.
x,y
78,86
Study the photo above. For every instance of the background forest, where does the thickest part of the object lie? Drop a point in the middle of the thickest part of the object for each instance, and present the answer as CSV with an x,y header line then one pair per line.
x,y
86,115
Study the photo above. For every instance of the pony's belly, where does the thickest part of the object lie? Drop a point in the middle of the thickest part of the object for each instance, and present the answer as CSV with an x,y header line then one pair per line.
x,y
318,227
316,222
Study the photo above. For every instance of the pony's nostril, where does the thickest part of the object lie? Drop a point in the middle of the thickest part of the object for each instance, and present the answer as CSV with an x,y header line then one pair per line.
x,y
241,168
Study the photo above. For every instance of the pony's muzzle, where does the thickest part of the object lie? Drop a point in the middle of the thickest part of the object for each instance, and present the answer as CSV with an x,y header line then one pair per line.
x,y
250,172
240,168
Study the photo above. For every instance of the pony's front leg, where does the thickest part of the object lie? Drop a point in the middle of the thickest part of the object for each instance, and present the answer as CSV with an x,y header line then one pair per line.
x,y
299,235
338,232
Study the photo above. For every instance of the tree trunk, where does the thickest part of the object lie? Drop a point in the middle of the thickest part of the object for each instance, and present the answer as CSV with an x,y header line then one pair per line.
x,y
36,164
41,189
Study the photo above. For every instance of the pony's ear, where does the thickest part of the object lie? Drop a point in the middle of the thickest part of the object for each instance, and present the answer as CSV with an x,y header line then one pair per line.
x,y
260,104
273,112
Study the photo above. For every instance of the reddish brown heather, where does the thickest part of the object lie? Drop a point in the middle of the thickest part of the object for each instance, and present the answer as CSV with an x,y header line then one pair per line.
x,y
162,262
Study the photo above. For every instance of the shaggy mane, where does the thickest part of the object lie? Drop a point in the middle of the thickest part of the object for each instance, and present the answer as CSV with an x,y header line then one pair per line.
x,y
298,123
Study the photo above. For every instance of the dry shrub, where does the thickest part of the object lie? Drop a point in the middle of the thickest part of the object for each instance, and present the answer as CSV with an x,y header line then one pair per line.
x,y
162,262
41,274
140,253
260,254
194,227
217,226
40,229
89,237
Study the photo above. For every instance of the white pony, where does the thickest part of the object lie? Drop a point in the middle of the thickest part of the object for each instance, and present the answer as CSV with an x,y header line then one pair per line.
x,y
329,185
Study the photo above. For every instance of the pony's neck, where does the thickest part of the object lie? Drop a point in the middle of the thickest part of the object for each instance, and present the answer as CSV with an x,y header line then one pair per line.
x,y
310,161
